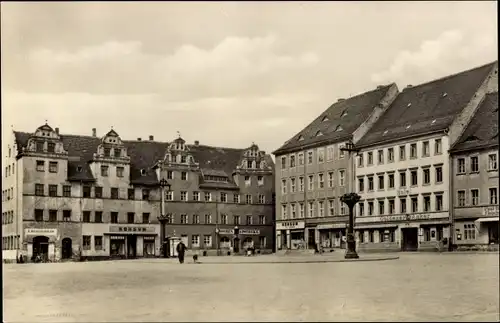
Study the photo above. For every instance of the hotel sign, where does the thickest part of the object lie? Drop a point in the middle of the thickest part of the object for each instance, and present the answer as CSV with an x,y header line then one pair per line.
x,y
130,229
402,217
40,232
290,225
490,210
331,226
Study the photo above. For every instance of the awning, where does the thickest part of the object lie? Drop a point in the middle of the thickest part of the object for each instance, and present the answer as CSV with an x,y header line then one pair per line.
x,y
491,219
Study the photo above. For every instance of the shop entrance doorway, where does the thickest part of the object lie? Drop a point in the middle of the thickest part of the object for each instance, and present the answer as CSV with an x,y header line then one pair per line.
x,y
409,239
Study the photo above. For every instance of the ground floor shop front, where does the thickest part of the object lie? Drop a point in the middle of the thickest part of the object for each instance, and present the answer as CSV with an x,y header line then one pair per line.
x,y
44,244
297,235
477,227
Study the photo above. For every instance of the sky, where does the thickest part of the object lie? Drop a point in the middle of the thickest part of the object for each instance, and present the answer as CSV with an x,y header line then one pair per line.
x,y
225,73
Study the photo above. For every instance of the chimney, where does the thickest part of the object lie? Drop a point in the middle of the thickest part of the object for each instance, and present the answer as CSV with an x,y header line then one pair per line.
x,y
151,137
57,130
139,139
409,86
196,142
379,87
94,132
340,100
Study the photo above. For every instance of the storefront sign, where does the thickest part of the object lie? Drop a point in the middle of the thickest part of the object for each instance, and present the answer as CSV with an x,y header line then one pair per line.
x,y
130,229
117,238
331,226
242,231
40,232
149,238
226,231
490,210
290,225
402,217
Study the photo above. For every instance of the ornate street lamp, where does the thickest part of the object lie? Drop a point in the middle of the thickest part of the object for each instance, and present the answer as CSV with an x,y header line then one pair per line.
x,y
165,187
350,199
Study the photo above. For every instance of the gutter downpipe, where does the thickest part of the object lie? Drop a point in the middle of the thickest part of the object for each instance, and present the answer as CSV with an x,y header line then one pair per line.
x,y
451,202
305,200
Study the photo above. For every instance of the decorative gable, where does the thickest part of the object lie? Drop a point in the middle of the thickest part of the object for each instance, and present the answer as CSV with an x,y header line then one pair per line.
x,y
179,153
253,159
45,140
112,148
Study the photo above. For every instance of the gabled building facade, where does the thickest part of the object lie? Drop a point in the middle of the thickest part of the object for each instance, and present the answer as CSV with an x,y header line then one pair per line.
x,y
67,196
475,180
403,165
312,171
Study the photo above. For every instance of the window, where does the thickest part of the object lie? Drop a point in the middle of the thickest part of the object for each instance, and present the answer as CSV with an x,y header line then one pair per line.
x,y
414,204
183,159
208,196
437,147
341,177
114,217
329,153
248,181
86,242
321,208
119,171
493,195
370,183
86,216
321,155
381,207
361,162
301,184
391,180
196,196
474,164
370,208
39,146
98,242
370,236
402,152
427,176
131,194
461,166
52,190
248,199
492,162
284,211
427,203
67,215
170,174
283,162
130,217
380,156
262,219
195,241
439,202
461,198
207,241
427,233
262,242
38,215
301,158
98,217
104,171
249,220
330,179
114,193
292,185
402,179
309,157
208,218
262,199
236,198
223,197
145,218
53,167
361,208
413,151
390,155
184,219
117,152
98,192
439,174
40,166
341,152
260,180
52,215
331,207
184,176
414,178
236,219
402,205
391,206
292,161
381,182
469,231
51,147
474,196
425,149
370,158
342,209
361,236
283,186
311,209
39,190
321,181
311,182
67,190
107,152
183,196
361,184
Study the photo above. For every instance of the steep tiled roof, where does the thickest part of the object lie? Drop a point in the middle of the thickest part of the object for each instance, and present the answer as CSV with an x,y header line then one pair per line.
x,y
427,107
143,154
338,122
482,131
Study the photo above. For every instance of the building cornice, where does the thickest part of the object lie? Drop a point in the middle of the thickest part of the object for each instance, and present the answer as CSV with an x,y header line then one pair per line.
x,y
324,142
416,136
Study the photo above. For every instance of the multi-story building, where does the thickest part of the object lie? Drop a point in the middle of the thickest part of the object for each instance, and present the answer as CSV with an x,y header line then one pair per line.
x,y
66,195
403,164
313,172
475,179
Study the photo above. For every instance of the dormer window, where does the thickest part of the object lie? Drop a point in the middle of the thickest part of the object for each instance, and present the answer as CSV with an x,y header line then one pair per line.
x,y
339,128
343,114
249,164
39,146
143,172
385,132
408,126
257,164
325,118
117,152
183,159
79,169
107,152
301,138
51,147
433,121
319,133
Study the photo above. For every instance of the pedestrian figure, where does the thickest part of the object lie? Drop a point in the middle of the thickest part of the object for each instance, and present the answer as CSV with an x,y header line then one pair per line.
x,y
181,249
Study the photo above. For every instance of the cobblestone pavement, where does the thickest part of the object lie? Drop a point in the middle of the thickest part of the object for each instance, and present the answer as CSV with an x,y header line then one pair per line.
x,y
416,287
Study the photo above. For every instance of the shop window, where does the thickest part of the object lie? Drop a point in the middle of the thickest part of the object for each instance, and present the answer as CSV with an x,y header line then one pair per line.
x,y
469,232
98,242
370,236
427,234
86,242
361,236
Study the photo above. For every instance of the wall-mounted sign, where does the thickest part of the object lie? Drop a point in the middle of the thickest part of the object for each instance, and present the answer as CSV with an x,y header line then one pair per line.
x,y
290,225
242,231
490,210
402,217
130,229
40,232
331,226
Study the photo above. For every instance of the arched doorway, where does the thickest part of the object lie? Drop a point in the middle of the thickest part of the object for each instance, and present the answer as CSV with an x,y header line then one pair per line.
x,y
67,248
40,247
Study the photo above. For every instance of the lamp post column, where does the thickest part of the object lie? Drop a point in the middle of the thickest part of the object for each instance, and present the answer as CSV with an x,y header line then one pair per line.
x,y
350,199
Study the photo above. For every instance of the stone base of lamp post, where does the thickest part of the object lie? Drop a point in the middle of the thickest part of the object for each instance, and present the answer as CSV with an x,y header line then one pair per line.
x,y
351,247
